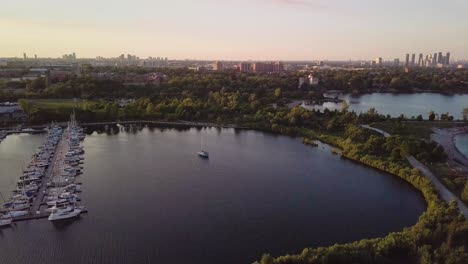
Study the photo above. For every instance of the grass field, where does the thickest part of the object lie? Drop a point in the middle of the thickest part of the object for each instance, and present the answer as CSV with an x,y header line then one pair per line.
x,y
421,129
53,104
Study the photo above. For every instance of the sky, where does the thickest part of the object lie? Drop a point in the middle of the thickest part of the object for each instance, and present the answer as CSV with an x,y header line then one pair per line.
x,y
234,29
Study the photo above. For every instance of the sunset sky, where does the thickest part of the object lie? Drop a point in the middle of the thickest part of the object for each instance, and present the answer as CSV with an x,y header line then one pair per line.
x,y
241,29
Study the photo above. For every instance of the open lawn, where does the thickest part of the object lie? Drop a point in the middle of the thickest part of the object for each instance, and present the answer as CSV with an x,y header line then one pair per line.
x,y
418,129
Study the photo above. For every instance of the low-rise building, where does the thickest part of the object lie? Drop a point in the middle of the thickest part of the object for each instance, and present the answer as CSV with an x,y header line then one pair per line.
x,y
313,80
12,114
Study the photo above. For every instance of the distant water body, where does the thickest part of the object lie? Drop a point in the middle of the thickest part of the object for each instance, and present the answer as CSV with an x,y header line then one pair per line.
x,y
151,199
397,104
461,142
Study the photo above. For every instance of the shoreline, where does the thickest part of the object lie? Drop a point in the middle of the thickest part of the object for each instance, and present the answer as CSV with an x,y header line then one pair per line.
x,y
446,138
123,122
455,144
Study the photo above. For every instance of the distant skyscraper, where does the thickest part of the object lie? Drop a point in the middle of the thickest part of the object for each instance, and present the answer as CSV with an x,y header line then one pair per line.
x,y
421,60
407,60
440,58
396,62
74,56
447,58
217,66
434,60
413,59
35,56
24,55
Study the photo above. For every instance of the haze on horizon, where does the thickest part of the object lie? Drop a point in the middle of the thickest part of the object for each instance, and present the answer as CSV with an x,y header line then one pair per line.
x,y
234,30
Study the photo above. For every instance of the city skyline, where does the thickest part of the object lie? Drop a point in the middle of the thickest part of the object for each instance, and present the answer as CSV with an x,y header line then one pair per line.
x,y
243,30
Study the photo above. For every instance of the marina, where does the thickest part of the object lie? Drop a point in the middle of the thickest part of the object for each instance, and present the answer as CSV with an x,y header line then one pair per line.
x,y
49,186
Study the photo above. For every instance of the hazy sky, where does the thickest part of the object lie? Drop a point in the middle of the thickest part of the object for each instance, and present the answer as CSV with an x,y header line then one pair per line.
x,y
237,29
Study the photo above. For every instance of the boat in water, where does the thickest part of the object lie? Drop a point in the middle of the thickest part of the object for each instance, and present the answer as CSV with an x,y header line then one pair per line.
x,y
5,221
203,153
15,214
64,210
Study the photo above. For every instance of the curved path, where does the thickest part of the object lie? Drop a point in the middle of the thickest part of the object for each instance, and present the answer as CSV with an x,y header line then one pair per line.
x,y
445,193
445,138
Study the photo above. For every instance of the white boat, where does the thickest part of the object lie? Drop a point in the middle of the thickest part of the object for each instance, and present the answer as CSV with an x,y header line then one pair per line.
x,y
203,153
64,210
15,214
5,221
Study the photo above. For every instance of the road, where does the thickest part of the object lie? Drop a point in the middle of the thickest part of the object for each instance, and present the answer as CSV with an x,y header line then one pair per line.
x,y
444,193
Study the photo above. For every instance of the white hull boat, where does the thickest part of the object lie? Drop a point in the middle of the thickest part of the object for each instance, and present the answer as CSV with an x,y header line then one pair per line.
x,y
62,214
17,213
5,222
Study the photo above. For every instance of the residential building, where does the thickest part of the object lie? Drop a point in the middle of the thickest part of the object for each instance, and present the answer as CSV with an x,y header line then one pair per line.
x,y
379,61
302,81
245,67
268,67
313,80
217,66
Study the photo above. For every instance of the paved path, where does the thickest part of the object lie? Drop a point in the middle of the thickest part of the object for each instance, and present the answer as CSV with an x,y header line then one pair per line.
x,y
385,134
445,137
445,193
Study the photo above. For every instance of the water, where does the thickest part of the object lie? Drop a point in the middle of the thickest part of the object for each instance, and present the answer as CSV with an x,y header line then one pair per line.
x,y
152,200
15,152
461,142
397,104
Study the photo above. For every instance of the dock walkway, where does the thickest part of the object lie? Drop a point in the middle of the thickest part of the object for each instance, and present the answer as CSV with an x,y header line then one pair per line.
x,y
51,172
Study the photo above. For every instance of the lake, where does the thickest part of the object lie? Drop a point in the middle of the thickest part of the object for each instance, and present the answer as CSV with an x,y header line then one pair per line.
x,y
397,104
151,199
461,142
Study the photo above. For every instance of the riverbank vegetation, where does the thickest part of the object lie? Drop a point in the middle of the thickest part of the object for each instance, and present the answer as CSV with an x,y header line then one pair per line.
x,y
439,236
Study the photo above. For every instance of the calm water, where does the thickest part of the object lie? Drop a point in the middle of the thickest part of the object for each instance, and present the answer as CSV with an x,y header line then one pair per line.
x,y
461,141
15,152
397,104
152,200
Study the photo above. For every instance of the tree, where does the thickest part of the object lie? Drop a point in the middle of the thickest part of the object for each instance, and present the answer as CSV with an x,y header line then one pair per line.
x,y
149,108
278,92
344,106
419,118
464,194
465,114
445,116
37,85
266,259
432,116
396,154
